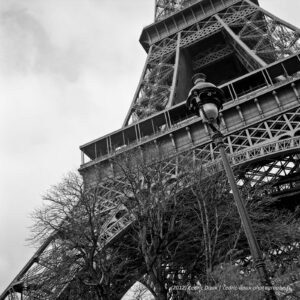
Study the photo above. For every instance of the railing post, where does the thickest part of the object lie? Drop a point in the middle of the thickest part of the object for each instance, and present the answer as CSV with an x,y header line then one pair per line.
x,y
82,158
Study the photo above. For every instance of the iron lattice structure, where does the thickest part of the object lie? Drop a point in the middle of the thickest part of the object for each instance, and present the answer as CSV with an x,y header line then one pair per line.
x,y
258,61
164,8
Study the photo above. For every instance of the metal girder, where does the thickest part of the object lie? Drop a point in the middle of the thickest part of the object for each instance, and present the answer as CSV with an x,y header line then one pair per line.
x,y
240,43
265,133
266,173
260,39
36,271
264,103
153,93
164,8
205,28
213,56
267,36
247,156
154,89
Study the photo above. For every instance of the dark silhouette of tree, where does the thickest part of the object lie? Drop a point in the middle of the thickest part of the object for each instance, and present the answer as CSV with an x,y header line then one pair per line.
x,y
78,263
187,224
184,230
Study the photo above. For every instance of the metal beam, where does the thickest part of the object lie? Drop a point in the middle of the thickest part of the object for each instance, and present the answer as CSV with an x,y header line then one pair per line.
x,y
212,57
175,73
287,24
240,42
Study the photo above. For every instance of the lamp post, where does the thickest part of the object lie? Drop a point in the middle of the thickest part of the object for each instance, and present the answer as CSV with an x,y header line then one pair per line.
x,y
205,100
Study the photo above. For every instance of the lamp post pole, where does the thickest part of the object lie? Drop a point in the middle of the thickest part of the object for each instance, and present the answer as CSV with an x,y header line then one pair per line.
x,y
205,100
259,263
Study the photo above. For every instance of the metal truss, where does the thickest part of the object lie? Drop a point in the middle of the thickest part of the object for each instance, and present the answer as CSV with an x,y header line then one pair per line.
x,y
208,27
157,80
154,89
33,281
268,161
270,148
266,35
210,56
255,36
252,172
268,151
164,8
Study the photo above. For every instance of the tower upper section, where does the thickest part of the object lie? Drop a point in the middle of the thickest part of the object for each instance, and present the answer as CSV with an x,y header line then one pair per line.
x,y
224,39
165,8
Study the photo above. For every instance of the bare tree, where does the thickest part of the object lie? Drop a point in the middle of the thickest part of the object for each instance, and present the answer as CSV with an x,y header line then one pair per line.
x,y
78,261
187,224
183,227
164,220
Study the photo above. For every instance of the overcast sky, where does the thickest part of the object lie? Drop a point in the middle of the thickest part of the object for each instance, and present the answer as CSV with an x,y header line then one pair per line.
x,y
68,72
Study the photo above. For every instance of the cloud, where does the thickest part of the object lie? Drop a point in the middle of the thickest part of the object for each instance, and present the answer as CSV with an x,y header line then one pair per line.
x,y
36,42
68,72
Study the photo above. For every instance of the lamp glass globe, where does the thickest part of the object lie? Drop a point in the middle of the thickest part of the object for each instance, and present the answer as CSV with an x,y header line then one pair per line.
x,y
211,112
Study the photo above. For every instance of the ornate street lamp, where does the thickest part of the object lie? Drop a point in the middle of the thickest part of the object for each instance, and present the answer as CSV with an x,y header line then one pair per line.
x,y
205,100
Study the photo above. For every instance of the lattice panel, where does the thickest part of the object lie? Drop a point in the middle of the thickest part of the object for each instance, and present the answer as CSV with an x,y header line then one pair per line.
x,y
154,90
281,126
255,147
203,29
266,36
37,283
114,218
164,8
210,56
199,31
270,172
163,47
244,57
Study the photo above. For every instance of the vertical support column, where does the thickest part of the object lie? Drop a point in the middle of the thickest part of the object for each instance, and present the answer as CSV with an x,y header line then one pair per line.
x,y
235,97
95,150
175,74
189,134
82,157
167,119
295,91
223,121
266,78
138,89
155,10
259,108
274,93
108,145
173,141
138,137
241,114
240,42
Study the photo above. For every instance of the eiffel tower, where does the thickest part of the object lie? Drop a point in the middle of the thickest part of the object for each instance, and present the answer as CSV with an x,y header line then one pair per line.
x,y
249,53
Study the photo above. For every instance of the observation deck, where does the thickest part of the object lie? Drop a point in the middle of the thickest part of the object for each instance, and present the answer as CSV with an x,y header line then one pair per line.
x,y
250,99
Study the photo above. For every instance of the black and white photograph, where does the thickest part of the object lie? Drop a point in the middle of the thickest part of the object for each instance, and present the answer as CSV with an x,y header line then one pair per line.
x,y
150,150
